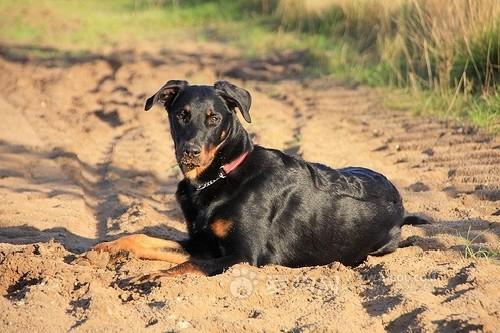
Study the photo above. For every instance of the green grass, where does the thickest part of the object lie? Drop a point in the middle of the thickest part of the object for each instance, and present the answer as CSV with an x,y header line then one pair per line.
x,y
475,251
82,24
481,111
335,50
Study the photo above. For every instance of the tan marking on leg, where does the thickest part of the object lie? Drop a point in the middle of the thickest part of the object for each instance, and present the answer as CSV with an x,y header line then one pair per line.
x,y
187,267
221,228
197,267
146,247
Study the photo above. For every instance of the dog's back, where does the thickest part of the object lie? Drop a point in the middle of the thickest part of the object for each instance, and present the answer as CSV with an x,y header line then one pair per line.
x,y
309,214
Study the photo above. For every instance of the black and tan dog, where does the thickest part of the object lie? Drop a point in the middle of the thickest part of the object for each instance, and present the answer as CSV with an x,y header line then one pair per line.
x,y
243,202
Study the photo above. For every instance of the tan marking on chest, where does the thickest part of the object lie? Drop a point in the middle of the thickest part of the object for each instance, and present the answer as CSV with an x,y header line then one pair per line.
x,y
221,228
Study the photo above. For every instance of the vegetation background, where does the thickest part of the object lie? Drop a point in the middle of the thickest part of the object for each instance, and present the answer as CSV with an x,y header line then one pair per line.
x,y
437,57
81,163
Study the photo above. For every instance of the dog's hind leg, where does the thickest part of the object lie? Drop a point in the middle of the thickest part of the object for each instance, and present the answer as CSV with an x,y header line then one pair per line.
x,y
415,220
146,247
390,244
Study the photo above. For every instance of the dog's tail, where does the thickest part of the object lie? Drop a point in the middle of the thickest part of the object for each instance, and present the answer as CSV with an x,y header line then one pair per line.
x,y
415,220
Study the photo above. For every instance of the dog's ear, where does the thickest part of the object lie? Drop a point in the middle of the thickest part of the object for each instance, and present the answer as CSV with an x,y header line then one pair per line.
x,y
235,97
166,95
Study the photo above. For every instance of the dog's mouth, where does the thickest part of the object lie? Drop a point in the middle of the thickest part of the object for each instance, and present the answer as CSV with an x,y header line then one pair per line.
x,y
192,166
187,164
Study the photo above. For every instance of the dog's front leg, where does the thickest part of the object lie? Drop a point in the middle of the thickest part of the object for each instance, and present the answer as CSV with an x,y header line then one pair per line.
x,y
146,247
206,267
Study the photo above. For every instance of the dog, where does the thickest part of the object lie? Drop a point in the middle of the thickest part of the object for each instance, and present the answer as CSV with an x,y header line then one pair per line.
x,y
246,203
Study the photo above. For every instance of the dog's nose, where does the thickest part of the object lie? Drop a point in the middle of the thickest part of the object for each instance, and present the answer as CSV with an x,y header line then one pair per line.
x,y
192,150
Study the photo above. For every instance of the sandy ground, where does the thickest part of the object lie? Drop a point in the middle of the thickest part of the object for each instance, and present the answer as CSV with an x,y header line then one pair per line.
x,y
80,162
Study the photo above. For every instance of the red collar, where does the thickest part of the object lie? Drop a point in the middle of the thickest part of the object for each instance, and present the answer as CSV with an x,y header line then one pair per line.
x,y
224,171
234,164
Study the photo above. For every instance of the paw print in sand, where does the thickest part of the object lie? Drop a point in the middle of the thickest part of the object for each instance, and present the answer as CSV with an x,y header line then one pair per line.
x,y
243,283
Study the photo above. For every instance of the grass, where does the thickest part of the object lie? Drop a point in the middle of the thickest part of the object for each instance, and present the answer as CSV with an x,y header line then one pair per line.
x,y
472,251
444,54
437,58
82,24
481,111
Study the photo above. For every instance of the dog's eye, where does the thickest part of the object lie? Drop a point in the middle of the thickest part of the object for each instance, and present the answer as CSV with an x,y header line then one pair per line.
x,y
213,119
184,116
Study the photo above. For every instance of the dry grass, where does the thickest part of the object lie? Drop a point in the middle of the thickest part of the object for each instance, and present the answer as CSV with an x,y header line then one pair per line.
x,y
428,43
446,52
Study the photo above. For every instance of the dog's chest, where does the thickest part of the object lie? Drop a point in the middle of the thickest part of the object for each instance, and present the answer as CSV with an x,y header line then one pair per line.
x,y
212,233
205,218
208,219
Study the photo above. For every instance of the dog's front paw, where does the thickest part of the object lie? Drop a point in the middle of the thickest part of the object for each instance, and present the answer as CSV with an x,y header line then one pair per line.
x,y
187,267
113,248
124,244
153,277
106,247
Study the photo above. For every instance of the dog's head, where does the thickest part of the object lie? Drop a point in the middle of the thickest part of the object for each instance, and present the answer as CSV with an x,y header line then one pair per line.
x,y
201,119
